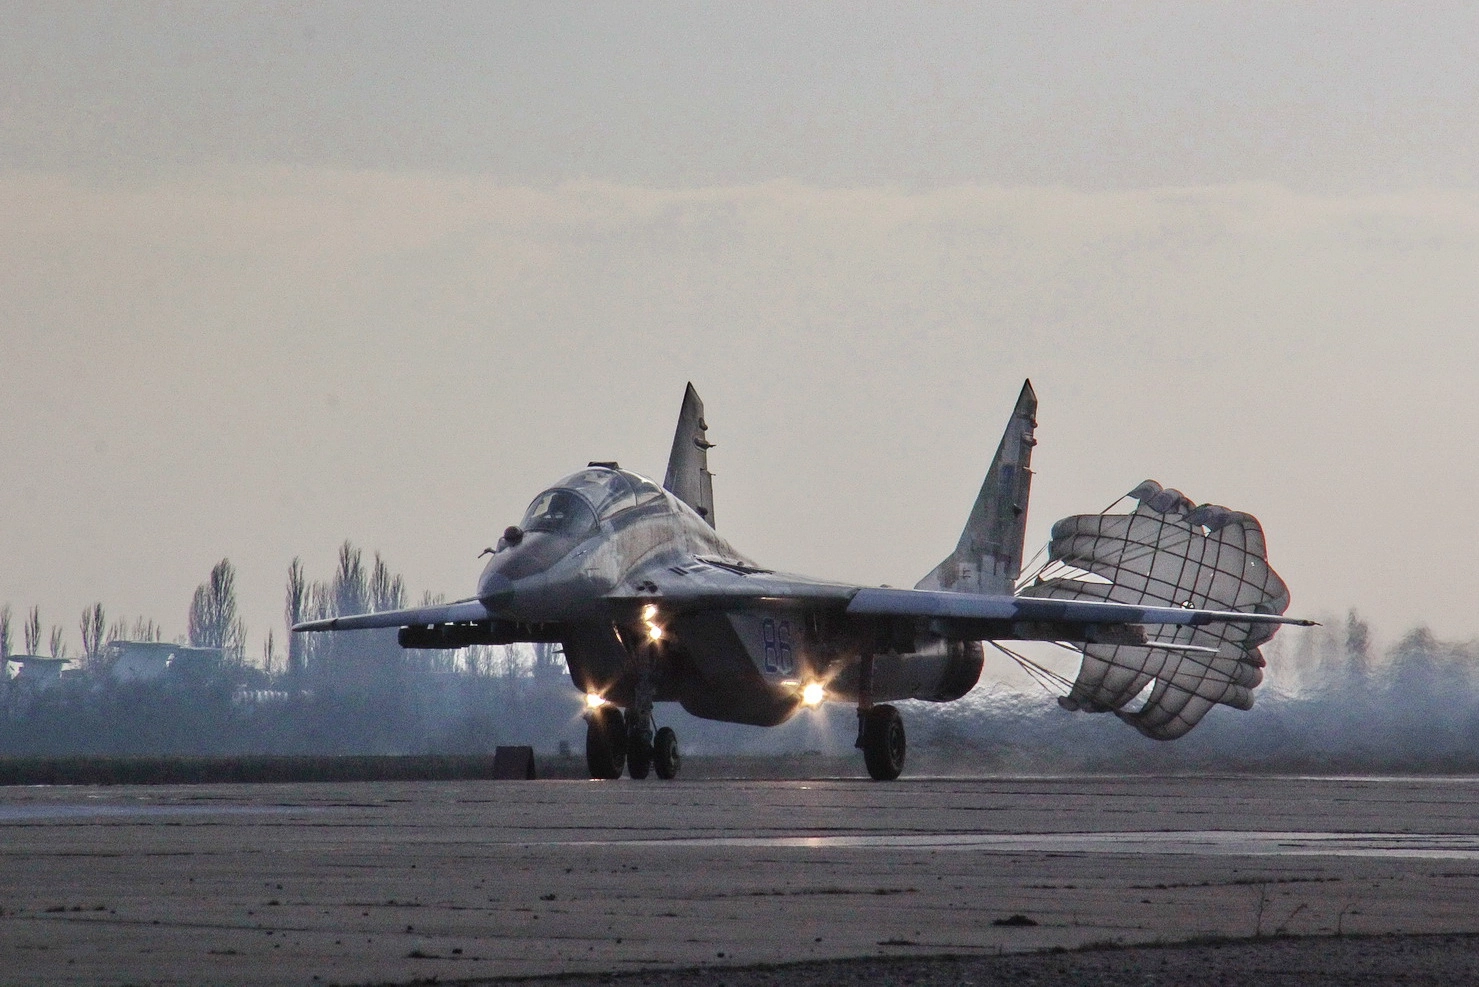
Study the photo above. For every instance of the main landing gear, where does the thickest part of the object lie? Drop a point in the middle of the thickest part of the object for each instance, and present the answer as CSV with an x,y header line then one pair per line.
x,y
614,741
605,742
880,730
881,736
665,756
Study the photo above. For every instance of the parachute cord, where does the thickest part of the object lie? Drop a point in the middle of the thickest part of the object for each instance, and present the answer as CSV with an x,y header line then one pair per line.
x,y
1052,683
1031,575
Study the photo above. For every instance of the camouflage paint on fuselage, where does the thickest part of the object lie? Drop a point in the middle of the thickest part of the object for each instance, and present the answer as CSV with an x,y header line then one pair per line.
x,y
600,546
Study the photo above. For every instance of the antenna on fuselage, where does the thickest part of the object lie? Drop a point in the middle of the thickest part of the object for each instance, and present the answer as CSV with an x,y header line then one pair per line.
x,y
688,477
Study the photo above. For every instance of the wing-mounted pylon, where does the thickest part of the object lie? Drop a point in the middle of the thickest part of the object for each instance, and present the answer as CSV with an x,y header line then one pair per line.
x,y
688,477
1167,552
988,557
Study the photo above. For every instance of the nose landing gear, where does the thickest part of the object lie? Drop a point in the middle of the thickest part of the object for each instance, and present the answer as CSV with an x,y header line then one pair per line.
x,y
614,742
639,744
614,737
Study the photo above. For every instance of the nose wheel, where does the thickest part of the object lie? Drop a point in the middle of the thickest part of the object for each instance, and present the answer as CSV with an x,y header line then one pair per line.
x,y
615,742
639,744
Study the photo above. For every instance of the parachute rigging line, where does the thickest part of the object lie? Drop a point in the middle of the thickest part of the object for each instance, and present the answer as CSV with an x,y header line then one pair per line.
x,y
1030,574
1045,677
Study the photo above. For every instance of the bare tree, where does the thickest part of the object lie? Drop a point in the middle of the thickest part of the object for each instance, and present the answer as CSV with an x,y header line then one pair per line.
x,y
147,630
214,621
548,662
386,591
518,661
350,594
58,646
5,642
479,659
354,589
1357,647
445,661
317,647
294,610
32,631
93,625
269,653
351,591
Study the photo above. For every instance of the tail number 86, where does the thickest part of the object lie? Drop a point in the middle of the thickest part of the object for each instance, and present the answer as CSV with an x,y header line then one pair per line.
x,y
780,658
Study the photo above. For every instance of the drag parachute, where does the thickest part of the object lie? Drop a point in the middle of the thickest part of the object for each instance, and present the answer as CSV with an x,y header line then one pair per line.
x,y
1166,552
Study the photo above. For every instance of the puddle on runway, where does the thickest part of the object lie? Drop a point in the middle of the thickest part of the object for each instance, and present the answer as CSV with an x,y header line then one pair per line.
x,y
1191,843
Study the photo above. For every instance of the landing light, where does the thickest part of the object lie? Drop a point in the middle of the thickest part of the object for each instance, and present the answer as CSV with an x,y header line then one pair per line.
x,y
594,700
649,619
812,694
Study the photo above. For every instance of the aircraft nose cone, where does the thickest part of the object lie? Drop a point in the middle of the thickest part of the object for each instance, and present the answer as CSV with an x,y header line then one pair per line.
x,y
496,590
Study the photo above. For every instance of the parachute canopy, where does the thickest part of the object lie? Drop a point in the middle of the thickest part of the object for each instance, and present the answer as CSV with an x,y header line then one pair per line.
x,y
1166,552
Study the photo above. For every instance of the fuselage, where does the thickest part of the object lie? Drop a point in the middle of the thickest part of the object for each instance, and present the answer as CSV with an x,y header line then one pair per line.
x,y
585,566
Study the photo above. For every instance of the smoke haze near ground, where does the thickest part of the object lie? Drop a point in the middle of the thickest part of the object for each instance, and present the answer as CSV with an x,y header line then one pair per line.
x,y
1337,702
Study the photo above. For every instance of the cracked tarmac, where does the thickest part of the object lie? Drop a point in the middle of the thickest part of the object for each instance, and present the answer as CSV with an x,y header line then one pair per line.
x,y
394,882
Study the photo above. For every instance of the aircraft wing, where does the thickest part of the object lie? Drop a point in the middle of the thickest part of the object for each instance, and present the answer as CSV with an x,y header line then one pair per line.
x,y
708,582
461,612
973,607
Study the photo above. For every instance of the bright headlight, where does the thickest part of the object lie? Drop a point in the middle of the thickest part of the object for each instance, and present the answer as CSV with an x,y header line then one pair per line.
x,y
812,693
649,619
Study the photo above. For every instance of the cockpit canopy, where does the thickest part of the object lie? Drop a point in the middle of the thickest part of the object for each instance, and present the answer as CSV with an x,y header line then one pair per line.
x,y
560,512
581,500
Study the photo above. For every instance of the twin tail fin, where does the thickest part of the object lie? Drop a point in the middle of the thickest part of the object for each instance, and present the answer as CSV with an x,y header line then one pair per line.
x,y
988,558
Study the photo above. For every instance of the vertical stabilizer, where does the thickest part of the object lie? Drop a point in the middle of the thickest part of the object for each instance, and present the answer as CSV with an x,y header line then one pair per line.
x,y
688,476
988,558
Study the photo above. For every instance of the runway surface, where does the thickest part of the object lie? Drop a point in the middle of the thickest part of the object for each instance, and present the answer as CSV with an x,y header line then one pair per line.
x,y
371,883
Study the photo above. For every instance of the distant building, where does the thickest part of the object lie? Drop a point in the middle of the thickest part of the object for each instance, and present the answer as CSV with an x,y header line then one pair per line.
x,y
38,671
135,661
142,661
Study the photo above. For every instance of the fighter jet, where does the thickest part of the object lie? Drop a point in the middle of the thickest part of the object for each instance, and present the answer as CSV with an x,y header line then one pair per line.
x,y
652,605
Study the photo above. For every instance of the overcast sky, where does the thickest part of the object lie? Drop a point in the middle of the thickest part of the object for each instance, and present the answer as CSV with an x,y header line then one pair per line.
x,y
277,275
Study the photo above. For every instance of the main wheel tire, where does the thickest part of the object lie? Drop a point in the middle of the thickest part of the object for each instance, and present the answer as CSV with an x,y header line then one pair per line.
x,y
639,747
605,742
665,754
883,742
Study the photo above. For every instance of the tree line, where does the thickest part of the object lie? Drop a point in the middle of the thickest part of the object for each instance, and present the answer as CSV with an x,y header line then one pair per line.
x,y
333,693
214,621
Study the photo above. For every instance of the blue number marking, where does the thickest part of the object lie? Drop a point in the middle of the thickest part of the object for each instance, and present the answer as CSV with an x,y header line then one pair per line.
x,y
785,658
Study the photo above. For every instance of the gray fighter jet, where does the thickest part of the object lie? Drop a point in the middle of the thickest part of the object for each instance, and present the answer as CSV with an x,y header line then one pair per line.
x,y
652,605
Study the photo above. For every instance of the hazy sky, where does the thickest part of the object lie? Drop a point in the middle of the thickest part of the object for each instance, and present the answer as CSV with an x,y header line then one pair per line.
x,y
274,275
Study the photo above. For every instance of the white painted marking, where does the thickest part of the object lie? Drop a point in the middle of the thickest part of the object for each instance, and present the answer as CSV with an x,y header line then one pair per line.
x,y
1435,846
